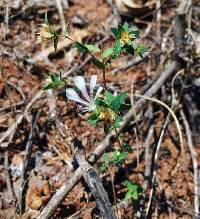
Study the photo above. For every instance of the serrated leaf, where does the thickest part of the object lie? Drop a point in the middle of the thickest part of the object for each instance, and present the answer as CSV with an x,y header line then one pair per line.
x,y
92,48
99,64
107,53
93,119
119,157
128,196
125,27
117,122
80,47
101,103
115,33
133,190
49,86
117,49
135,34
55,78
109,97
134,195
118,101
129,49
121,29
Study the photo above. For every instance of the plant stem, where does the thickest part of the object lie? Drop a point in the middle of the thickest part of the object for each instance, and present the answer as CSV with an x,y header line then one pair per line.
x,y
118,138
114,194
104,78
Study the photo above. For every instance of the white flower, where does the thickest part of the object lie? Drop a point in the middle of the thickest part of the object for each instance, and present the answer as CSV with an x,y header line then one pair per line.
x,y
88,103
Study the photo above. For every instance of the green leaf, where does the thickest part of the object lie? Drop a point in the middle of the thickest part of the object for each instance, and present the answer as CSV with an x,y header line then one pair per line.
x,y
99,64
135,34
93,119
117,122
109,97
92,48
49,86
115,32
118,101
107,53
101,103
141,50
55,78
118,157
56,82
128,196
129,49
80,47
133,190
125,27
114,102
104,167
117,49
121,29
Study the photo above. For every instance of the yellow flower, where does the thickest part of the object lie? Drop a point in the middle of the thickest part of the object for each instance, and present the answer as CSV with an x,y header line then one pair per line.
x,y
46,34
107,115
125,38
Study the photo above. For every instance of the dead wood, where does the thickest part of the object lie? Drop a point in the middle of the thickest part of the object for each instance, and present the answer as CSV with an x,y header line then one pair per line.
x,y
94,183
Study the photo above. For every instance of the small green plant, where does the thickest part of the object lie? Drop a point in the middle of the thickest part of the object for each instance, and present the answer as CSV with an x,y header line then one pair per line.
x,y
103,106
54,81
133,190
117,157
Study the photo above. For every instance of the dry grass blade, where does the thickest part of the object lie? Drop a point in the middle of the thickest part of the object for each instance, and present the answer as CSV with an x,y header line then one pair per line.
x,y
172,114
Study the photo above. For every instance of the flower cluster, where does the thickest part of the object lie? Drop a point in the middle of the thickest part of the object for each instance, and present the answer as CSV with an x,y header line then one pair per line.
x,y
47,34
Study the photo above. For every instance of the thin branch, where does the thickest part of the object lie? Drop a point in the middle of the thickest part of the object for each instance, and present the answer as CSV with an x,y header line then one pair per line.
x,y
155,162
26,162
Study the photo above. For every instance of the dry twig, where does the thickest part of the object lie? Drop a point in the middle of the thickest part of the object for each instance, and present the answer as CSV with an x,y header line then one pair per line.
x,y
27,157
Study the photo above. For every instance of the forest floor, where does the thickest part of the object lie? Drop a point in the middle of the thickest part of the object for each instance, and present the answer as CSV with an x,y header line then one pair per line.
x,y
168,173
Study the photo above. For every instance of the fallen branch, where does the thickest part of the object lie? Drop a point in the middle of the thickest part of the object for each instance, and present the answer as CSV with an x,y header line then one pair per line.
x,y
95,185
48,211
